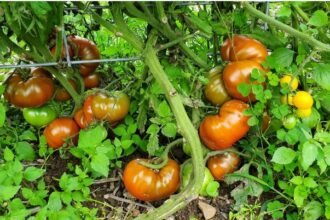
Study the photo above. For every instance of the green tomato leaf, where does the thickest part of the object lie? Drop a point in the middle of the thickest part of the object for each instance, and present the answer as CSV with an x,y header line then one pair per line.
x,y
100,164
25,151
244,89
321,75
323,137
164,110
212,189
299,195
326,151
309,154
33,173
285,11
280,58
297,180
8,154
313,210
169,130
54,202
276,208
8,192
319,19
309,182
28,135
91,138
284,155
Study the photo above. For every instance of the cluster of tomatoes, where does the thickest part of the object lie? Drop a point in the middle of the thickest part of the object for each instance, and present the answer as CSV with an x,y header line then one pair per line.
x,y
34,94
222,131
301,100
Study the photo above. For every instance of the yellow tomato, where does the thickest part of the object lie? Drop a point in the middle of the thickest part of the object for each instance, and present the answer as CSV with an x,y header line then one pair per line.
x,y
286,79
287,99
304,113
303,100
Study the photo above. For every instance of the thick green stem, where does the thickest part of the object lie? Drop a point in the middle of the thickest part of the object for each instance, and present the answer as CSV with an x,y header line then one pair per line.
x,y
187,130
163,157
177,41
308,39
300,12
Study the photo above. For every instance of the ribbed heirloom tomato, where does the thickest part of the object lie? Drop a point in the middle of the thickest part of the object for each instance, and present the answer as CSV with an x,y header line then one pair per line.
x,y
240,47
62,95
85,50
151,185
239,72
111,109
223,164
59,131
221,131
84,116
33,92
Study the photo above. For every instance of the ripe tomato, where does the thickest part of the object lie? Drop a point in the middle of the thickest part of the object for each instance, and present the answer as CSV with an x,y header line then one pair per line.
x,y
85,50
303,100
221,131
151,185
62,95
289,121
40,116
80,119
186,171
239,72
286,79
304,113
111,109
33,92
59,130
243,48
63,52
91,81
223,164
87,109
215,91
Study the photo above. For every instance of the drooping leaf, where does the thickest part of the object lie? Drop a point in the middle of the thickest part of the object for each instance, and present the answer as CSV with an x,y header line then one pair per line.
x,y
321,75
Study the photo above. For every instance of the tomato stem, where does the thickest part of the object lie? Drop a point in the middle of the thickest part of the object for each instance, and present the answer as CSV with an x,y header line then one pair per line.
x,y
302,36
163,157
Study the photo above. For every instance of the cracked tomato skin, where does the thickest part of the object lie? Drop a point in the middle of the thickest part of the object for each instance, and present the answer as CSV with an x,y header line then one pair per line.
x,y
85,50
223,164
219,132
151,185
111,109
240,47
59,130
239,72
33,92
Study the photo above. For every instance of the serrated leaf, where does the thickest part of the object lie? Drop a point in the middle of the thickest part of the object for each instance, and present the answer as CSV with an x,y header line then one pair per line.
x,y
33,173
100,164
285,11
299,195
126,144
313,210
120,130
169,130
8,192
25,151
28,135
280,58
164,110
8,154
318,19
309,154
54,202
321,75
284,155
297,180
91,138
326,151
212,189
244,89
310,182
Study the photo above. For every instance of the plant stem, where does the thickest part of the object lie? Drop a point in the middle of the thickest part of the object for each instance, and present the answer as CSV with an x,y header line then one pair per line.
x,y
176,41
301,13
164,156
308,39
187,130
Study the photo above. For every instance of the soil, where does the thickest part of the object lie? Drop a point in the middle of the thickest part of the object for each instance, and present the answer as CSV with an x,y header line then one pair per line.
x,y
118,204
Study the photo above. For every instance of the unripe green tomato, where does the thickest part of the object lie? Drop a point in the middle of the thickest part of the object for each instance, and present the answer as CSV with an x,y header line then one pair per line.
x,y
289,121
312,120
187,149
186,174
41,116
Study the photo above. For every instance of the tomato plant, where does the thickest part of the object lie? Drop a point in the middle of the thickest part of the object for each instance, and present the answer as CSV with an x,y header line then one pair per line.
x,y
240,47
151,185
302,100
289,121
111,109
85,50
239,72
59,131
33,92
223,164
40,116
225,129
